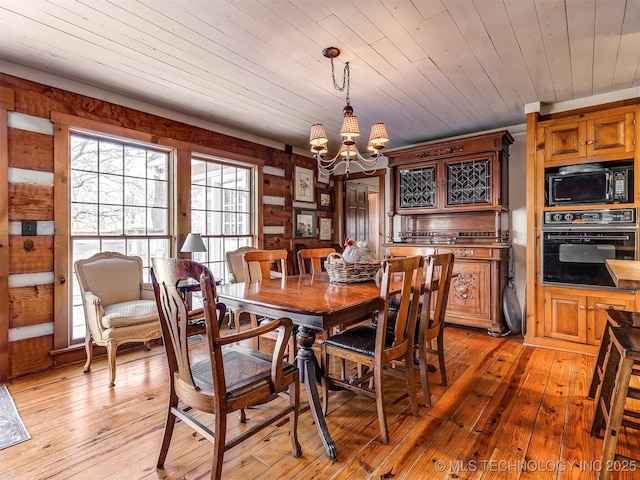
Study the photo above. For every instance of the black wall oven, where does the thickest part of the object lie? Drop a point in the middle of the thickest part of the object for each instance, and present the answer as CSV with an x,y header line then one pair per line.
x,y
575,245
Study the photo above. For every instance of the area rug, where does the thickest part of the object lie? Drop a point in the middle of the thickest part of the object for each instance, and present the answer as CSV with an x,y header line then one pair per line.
x,y
12,430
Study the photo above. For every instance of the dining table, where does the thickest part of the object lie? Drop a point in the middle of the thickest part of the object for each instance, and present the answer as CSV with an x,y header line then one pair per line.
x,y
313,304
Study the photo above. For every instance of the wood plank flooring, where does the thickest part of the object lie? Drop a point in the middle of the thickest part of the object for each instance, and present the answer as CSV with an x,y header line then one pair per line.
x,y
508,412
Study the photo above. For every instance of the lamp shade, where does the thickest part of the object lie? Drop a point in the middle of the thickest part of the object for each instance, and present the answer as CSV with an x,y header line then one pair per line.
x,y
318,136
379,135
193,243
350,127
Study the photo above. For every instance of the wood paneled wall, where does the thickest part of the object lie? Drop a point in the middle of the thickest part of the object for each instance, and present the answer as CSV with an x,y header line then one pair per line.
x,y
27,300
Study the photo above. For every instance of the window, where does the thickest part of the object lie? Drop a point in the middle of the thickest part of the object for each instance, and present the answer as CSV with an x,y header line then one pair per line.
x,y
221,210
119,202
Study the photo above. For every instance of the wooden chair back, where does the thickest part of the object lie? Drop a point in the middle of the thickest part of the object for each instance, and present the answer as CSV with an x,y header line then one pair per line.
x,y
407,271
265,259
439,270
315,257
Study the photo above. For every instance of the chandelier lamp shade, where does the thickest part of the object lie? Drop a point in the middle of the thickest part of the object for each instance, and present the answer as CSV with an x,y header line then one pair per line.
x,y
348,153
193,243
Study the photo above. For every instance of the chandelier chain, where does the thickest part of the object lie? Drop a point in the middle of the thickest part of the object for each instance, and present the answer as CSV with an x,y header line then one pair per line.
x,y
346,81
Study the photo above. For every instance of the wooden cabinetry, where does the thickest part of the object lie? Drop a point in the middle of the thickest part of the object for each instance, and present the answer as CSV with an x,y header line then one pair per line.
x,y
579,316
456,175
476,285
596,135
457,189
564,316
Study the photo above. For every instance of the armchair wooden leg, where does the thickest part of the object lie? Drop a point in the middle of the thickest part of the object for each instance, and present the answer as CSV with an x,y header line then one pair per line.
x,y
220,435
89,350
111,359
168,429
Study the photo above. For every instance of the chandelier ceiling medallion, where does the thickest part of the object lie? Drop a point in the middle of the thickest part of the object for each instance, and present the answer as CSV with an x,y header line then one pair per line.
x,y
347,153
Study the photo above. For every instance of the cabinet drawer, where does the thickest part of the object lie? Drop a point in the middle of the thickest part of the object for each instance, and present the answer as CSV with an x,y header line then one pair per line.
x,y
471,252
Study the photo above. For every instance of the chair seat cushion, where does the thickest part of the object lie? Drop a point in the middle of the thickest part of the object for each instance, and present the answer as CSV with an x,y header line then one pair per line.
x,y
243,369
125,314
360,339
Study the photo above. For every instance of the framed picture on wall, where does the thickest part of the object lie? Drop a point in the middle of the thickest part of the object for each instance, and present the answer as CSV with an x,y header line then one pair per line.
x,y
303,185
323,177
326,200
325,229
304,223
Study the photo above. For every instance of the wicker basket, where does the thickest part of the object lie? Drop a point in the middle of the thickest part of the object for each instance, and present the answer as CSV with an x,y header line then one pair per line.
x,y
341,271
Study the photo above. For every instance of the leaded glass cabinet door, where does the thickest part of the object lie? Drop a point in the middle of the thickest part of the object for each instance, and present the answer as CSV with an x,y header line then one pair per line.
x,y
417,187
469,182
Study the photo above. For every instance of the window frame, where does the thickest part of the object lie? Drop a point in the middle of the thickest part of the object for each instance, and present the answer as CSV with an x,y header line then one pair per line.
x,y
64,126
123,237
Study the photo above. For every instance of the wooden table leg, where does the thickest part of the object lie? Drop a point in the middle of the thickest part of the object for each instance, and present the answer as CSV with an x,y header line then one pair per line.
x,y
309,371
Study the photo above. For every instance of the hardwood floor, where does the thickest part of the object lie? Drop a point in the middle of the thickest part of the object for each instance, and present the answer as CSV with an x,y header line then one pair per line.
x,y
509,411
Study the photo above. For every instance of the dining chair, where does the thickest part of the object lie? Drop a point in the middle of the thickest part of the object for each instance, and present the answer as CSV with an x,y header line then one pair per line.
x,y
431,310
264,260
375,346
230,378
314,257
258,264
439,270
119,307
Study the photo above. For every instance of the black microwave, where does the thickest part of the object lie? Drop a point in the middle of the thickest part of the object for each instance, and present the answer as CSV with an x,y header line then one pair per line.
x,y
605,185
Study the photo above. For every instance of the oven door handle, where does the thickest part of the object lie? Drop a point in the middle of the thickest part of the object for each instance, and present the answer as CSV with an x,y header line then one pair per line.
x,y
573,237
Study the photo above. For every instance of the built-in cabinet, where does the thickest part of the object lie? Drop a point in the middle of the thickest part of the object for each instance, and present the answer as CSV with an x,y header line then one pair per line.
x,y
598,135
570,317
579,316
456,191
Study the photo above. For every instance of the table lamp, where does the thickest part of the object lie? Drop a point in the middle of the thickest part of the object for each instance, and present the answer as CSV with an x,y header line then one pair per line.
x,y
193,243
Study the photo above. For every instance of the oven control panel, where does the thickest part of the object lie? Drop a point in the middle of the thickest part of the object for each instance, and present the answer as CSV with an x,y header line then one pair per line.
x,y
608,216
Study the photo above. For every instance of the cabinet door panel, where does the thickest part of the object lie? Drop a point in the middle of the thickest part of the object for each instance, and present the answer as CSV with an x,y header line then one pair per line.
x,y
565,317
611,134
469,182
596,316
565,142
469,292
417,187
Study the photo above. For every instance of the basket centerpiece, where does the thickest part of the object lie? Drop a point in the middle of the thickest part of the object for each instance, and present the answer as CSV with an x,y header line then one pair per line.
x,y
356,264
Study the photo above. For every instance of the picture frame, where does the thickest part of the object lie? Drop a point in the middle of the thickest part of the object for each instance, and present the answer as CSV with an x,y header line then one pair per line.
x,y
324,177
304,223
326,199
303,179
325,229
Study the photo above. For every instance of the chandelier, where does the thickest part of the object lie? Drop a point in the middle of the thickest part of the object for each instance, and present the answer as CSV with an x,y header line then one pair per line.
x,y
347,153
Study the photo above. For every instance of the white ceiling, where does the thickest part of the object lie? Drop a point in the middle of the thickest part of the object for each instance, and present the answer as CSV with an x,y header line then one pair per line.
x,y
429,69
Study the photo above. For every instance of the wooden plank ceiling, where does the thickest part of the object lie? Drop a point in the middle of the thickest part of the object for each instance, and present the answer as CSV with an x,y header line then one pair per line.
x,y
428,68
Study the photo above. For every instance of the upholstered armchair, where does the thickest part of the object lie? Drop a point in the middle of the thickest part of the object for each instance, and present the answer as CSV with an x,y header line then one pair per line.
x,y
119,308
